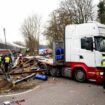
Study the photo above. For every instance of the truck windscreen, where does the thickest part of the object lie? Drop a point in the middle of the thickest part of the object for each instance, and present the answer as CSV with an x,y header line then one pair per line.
x,y
100,44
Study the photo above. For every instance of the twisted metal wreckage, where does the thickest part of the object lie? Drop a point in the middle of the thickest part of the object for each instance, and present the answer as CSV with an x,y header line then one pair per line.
x,y
31,67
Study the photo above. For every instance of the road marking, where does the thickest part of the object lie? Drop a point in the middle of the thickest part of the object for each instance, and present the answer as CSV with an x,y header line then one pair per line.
x,y
21,92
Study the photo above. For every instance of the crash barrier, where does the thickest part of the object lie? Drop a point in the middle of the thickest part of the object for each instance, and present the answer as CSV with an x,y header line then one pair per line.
x,y
33,75
59,54
41,77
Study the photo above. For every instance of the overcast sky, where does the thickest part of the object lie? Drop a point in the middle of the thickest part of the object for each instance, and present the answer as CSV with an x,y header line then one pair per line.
x,y
13,13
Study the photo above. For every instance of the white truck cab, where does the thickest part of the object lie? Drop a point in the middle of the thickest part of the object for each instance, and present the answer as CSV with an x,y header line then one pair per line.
x,y
84,47
85,43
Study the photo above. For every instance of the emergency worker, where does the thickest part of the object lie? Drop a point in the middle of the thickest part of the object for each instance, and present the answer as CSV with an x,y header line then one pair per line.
x,y
6,62
103,64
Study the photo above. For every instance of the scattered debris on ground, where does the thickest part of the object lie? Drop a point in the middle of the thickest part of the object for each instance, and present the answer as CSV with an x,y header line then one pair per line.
x,y
22,78
18,102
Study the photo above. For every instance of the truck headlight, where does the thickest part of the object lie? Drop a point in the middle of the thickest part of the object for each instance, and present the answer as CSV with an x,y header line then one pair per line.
x,y
101,73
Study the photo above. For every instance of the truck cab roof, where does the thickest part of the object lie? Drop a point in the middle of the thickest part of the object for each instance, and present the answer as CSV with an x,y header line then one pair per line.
x,y
86,29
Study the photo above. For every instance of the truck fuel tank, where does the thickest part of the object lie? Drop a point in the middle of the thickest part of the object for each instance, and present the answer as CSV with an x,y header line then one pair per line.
x,y
66,72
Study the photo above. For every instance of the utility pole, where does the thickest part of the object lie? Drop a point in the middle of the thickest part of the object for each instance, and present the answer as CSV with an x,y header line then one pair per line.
x,y
5,38
38,44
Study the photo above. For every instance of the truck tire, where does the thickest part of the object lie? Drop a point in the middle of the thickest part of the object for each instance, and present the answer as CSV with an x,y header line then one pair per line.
x,y
44,67
54,72
80,75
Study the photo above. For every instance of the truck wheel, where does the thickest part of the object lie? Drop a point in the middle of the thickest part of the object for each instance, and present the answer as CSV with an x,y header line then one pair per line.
x,y
54,72
43,66
80,75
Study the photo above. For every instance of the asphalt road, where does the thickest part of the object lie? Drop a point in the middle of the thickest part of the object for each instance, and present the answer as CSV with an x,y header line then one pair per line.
x,y
61,91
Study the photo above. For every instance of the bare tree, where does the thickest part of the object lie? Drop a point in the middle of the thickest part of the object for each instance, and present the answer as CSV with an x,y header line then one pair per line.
x,y
56,28
30,30
81,10
69,12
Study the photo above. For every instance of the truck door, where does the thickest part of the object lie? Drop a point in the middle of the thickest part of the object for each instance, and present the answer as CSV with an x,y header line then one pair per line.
x,y
86,53
99,49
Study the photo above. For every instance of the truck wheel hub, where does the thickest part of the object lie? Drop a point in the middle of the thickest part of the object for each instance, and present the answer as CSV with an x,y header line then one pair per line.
x,y
80,75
